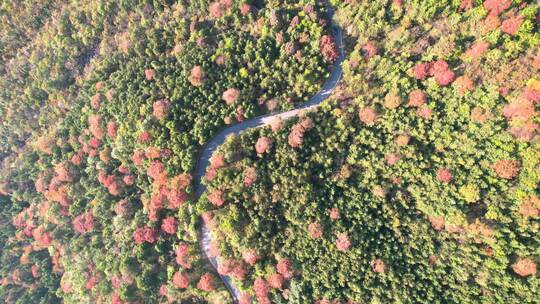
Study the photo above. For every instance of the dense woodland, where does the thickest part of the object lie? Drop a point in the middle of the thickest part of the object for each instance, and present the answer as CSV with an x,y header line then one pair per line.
x,y
104,106
417,182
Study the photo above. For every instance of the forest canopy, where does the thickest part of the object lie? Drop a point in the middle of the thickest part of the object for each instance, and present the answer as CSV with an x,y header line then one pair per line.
x,y
105,106
416,181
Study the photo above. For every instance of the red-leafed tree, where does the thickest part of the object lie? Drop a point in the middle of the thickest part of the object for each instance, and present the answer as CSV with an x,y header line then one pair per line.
x,y
36,273
275,280
506,168
217,161
261,288
524,267
180,280
218,8
230,96
77,158
392,158
250,176
128,180
94,126
156,170
123,208
421,70
424,111
250,256
145,137
417,98
149,74
239,270
334,213
511,25
296,136
531,94
328,48
176,198
445,78
84,222
519,108
369,50
524,131
477,49
264,144
111,129
182,255
245,298
377,265
160,108
115,299
342,242
196,77
437,67
206,282
145,234
276,124
437,222
216,198
245,9
92,282
495,7
95,101
63,172
444,175
138,157
284,267
463,84
123,169
466,5
368,115
315,230
169,225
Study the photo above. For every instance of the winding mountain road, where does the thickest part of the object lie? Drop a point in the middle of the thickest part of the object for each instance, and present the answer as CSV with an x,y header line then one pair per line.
x,y
208,149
